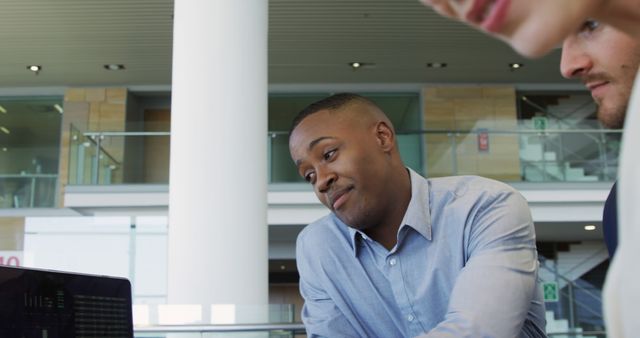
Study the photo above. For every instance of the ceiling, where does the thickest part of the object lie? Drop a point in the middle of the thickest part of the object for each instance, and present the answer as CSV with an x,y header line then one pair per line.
x,y
309,42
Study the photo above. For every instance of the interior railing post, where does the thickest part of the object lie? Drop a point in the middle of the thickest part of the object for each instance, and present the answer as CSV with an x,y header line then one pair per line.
x,y
454,152
543,140
572,318
96,161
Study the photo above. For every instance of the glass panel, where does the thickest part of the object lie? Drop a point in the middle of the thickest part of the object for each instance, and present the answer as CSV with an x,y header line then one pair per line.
x,y
508,155
283,108
524,155
571,155
124,158
532,149
217,320
29,148
573,307
28,190
281,166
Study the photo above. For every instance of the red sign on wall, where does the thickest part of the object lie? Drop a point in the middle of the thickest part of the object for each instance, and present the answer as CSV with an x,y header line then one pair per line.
x,y
483,140
13,258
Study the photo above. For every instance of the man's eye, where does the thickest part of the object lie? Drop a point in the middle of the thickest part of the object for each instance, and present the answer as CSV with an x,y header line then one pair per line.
x,y
329,154
309,177
590,25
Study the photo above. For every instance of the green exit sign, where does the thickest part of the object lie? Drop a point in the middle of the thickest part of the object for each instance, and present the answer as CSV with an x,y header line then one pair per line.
x,y
540,122
550,291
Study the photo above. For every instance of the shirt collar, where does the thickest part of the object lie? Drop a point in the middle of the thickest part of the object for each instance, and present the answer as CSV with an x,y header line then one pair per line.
x,y
417,215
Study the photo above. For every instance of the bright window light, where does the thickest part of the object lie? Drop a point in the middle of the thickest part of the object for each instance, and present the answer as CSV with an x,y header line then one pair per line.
x,y
223,314
179,314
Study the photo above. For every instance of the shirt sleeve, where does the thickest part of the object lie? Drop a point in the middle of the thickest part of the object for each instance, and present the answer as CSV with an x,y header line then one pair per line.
x,y
320,314
493,292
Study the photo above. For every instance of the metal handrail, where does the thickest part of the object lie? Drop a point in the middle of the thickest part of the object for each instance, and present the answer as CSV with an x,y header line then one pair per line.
x,y
573,153
297,327
127,133
587,259
94,138
569,281
558,118
570,293
490,131
28,175
543,171
582,305
581,333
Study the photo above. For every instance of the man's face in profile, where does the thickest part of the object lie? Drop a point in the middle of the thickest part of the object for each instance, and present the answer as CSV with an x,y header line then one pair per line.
x,y
606,61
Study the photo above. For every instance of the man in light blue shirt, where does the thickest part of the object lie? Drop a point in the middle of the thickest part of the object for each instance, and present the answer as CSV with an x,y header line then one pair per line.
x,y
400,255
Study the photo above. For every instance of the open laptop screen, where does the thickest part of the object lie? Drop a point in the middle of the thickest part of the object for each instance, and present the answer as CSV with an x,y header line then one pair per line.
x,y
50,304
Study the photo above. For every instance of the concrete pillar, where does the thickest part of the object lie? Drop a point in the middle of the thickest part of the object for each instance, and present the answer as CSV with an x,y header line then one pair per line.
x,y
218,172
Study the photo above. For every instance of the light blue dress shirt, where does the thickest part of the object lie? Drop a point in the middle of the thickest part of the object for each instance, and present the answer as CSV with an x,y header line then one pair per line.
x,y
465,265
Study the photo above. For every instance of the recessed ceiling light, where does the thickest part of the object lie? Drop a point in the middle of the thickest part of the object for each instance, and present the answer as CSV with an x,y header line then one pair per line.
x,y
437,64
590,227
113,66
34,68
516,65
4,149
5,130
359,64
58,108
2,110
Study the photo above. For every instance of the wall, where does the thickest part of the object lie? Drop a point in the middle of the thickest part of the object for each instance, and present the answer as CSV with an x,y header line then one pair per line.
x,y
11,233
92,109
467,108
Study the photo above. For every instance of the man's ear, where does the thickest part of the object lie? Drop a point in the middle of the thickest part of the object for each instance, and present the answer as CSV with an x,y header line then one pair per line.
x,y
385,136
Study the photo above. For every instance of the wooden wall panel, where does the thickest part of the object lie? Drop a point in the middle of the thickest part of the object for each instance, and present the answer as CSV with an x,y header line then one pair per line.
x,y
471,108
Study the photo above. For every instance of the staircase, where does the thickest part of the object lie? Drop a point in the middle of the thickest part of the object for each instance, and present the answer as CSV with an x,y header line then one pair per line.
x,y
540,165
559,154
575,262
579,306
555,328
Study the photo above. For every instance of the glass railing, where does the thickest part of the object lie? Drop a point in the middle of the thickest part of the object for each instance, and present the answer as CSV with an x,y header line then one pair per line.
x,y
574,307
578,334
552,155
28,177
27,190
558,155
220,320
232,331
29,150
104,158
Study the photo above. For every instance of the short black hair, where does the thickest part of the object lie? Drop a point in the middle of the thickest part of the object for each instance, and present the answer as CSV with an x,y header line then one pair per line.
x,y
332,102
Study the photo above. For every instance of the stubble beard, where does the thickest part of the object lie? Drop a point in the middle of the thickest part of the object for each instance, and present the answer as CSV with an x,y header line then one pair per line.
x,y
612,117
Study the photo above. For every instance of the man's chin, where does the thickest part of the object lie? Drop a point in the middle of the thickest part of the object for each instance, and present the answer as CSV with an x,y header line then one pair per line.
x,y
612,118
351,222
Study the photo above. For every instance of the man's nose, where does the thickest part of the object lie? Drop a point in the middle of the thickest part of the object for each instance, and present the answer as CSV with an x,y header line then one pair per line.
x,y
575,62
325,179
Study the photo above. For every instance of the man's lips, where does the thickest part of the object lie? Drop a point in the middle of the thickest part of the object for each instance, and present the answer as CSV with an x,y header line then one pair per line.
x,y
478,11
596,87
489,15
339,197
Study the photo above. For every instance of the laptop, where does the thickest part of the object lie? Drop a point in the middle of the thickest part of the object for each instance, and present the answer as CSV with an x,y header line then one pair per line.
x,y
51,304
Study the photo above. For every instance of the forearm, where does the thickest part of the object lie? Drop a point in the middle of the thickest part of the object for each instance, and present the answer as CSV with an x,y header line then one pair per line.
x,y
493,302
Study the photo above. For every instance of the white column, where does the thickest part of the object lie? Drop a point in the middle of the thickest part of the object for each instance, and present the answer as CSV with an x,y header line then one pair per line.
x,y
218,180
